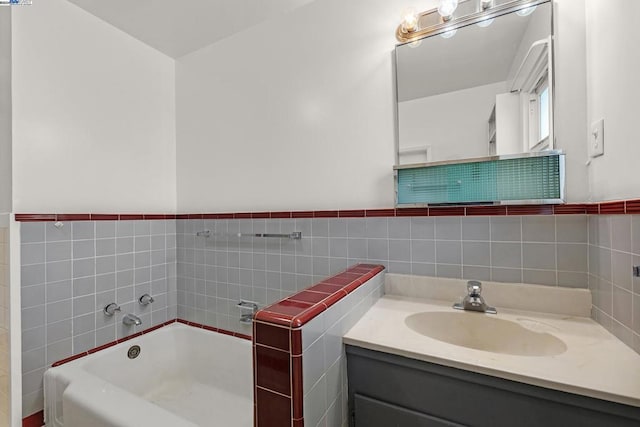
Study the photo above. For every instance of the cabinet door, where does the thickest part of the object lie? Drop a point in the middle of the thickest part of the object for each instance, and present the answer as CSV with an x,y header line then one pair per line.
x,y
370,412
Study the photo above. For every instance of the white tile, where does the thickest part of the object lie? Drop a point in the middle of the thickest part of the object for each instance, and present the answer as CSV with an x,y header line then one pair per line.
x,y
313,363
315,403
313,330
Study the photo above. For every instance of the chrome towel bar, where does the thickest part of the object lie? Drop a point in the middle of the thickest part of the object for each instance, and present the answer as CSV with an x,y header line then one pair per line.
x,y
296,235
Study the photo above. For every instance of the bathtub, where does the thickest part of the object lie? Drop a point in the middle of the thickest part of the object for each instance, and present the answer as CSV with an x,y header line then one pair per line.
x,y
182,377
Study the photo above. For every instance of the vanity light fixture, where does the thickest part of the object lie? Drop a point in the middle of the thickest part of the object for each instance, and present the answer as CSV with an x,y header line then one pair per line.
x,y
441,20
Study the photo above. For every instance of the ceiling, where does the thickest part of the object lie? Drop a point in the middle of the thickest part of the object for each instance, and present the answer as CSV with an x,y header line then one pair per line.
x,y
178,27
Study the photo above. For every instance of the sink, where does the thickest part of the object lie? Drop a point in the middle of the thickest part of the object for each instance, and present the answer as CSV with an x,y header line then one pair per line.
x,y
485,332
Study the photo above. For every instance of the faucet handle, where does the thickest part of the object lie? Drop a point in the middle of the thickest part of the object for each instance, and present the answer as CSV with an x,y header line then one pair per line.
x,y
145,299
474,288
111,309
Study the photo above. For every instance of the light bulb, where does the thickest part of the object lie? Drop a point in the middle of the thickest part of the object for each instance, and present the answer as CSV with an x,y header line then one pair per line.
x,y
485,23
446,8
526,11
409,20
449,34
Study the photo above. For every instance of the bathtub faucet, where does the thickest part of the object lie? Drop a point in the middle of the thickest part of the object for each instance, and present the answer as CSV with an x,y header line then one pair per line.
x,y
131,319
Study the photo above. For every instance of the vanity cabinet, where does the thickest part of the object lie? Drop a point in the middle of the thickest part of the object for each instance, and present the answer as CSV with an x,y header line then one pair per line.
x,y
386,390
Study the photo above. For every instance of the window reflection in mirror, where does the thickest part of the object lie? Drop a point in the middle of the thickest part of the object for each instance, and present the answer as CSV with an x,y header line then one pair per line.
x,y
479,91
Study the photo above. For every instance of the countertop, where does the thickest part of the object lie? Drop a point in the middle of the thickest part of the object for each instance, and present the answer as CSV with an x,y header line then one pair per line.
x,y
595,364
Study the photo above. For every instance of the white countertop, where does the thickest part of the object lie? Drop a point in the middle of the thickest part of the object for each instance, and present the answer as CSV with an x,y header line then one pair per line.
x,y
595,364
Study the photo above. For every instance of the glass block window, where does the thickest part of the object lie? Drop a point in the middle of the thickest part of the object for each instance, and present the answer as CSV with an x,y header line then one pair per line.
x,y
516,179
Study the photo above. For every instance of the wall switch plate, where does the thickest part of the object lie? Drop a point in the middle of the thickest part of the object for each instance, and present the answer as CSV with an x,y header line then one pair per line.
x,y
636,271
596,139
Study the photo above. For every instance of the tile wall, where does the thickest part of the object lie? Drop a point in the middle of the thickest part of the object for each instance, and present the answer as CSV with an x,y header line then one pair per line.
x,y
215,273
5,398
70,273
614,248
324,362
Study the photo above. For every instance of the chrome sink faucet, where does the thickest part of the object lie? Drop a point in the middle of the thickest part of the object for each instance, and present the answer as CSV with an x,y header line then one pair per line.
x,y
131,319
474,301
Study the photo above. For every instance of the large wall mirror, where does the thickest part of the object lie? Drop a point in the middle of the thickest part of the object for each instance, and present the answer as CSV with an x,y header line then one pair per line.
x,y
480,89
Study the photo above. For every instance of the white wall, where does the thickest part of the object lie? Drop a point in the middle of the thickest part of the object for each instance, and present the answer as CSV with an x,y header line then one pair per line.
x,y
5,109
93,115
454,124
613,65
571,94
296,113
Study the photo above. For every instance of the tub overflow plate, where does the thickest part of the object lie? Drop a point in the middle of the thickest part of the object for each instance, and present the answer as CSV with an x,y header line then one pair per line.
x,y
133,352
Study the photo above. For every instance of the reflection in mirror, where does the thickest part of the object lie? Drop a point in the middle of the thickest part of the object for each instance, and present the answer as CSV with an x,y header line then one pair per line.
x,y
481,90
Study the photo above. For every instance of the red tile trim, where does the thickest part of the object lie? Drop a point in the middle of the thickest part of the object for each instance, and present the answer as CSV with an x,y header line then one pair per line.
x,y
146,331
530,210
612,208
615,207
486,210
34,420
449,211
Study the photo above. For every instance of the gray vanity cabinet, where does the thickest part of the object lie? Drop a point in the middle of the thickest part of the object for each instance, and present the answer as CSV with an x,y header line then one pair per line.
x,y
386,390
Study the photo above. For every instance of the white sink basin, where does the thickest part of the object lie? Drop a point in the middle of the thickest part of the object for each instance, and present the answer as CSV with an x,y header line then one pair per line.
x,y
486,332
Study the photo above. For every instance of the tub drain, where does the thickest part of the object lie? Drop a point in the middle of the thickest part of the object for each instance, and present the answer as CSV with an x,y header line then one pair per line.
x,y
134,351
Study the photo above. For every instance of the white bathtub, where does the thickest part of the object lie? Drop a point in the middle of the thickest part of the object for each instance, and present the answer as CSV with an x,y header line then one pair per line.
x,y
183,376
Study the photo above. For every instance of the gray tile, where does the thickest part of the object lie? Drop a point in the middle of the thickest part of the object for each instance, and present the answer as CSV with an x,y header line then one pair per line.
x,y
378,249
476,273
423,228
539,256
505,229
58,291
376,228
399,228
399,250
105,247
58,311
636,313
337,227
399,267
448,228
604,263
59,331
604,231
423,269
304,265
594,260
356,228
84,323
320,246
142,275
58,251
593,229
53,234
142,243
33,317
622,269
32,232
57,271
476,253
571,279
507,255
449,271
84,286
142,228
142,259
572,257
84,267
605,296
338,248
32,295
449,252
423,251
539,277
622,332
59,350
357,248
157,227
320,267
33,359
84,342
124,262
635,234
124,245
105,264
621,233
105,282
105,229
83,248
540,228
83,305
33,338
508,275
622,306
476,228
572,228
32,253
82,230
32,274
124,228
